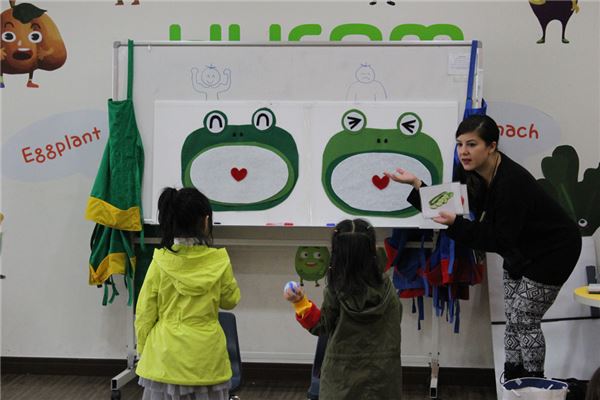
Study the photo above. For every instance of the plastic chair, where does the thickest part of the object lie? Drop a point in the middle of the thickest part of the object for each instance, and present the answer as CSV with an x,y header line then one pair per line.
x,y
315,379
227,321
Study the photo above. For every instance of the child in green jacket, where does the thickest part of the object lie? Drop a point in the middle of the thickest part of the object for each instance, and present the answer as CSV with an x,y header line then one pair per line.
x,y
361,314
182,346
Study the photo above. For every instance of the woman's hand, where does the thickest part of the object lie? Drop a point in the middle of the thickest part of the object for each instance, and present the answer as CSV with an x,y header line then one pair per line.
x,y
445,218
293,292
404,176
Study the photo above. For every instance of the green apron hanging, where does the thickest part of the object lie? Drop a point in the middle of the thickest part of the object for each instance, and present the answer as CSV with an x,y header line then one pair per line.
x,y
115,200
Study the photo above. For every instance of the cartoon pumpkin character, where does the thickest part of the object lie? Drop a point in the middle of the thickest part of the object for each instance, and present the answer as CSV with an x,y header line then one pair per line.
x,y
30,41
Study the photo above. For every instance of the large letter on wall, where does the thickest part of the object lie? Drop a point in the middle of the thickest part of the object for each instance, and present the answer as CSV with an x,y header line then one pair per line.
x,y
427,32
340,32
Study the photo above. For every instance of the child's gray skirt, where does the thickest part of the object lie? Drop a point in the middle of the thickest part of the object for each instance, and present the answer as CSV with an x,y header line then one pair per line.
x,y
165,391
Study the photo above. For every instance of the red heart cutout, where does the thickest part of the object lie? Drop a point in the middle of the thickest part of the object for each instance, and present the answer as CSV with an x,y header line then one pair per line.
x,y
239,174
380,183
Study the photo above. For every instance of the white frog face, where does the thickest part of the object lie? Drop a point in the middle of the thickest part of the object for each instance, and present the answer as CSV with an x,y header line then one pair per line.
x,y
241,167
355,159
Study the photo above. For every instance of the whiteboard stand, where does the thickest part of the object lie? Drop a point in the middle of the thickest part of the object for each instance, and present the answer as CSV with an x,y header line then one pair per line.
x,y
128,374
435,354
438,83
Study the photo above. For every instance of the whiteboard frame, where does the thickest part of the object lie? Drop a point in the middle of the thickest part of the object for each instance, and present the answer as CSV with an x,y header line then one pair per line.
x,y
477,94
119,88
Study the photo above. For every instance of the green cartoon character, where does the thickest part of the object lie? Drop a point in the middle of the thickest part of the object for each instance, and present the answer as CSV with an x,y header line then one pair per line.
x,y
355,159
440,199
312,263
240,167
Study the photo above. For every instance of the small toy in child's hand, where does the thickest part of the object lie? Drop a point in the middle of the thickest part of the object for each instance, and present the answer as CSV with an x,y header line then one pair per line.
x,y
292,291
291,287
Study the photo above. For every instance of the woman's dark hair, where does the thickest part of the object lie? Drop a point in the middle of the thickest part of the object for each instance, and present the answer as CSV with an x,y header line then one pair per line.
x,y
182,214
354,263
593,389
484,126
487,129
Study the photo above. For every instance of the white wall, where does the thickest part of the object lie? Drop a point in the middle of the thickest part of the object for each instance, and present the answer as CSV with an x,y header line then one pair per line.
x,y
48,310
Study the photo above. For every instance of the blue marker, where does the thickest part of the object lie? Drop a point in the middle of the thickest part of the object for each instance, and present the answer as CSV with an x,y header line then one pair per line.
x,y
330,225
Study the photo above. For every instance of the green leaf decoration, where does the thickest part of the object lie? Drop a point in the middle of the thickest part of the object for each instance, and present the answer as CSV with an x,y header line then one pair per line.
x,y
26,12
561,170
579,199
587,201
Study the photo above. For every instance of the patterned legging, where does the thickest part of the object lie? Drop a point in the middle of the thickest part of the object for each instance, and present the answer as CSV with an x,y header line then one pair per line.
x,y
525,303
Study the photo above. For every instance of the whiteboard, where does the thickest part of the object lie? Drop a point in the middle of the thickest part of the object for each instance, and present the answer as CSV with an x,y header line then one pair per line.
x,y
310,86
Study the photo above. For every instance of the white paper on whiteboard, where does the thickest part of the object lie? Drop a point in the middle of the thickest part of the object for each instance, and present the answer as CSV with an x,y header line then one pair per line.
x,y
458,63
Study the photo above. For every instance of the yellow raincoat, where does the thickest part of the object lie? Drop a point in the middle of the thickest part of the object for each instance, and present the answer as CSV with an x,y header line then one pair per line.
x,y
177,328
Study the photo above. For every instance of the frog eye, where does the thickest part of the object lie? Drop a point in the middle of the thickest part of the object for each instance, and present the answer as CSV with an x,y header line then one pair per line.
x,y
409,124
263,119
354,121
317,254
582,222
215,121
304,254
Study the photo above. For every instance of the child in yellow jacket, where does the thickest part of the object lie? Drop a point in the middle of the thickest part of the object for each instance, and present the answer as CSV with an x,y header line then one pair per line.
x,y
183,353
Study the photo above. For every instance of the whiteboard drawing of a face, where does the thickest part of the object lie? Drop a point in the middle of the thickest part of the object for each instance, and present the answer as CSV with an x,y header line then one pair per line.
x,y
210,76
365,74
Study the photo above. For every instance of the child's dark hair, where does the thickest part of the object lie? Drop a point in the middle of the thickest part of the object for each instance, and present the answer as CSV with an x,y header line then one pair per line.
x,y
487,129
354,263
183,214
593,389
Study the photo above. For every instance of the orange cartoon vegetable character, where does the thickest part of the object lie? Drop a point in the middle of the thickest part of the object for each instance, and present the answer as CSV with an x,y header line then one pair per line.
x,y
30,40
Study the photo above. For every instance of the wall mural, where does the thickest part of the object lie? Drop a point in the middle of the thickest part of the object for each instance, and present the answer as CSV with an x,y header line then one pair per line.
x,y
579,199
30,41
524,130
311,263
550,10
390,2
55,147
134,3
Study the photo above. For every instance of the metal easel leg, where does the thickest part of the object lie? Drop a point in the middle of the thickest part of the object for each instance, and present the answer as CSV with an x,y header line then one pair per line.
x,y
435,354
128,374
435,340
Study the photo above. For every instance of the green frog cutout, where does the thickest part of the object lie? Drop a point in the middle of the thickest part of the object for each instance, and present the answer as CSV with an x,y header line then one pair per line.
x,y
240,167
355,159
311,263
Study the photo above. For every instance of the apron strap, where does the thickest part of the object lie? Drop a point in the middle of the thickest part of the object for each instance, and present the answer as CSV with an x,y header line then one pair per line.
x,y
129,69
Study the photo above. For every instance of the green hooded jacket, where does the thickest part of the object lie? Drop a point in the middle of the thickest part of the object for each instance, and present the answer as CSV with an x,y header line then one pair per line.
x,y
362,359
178,333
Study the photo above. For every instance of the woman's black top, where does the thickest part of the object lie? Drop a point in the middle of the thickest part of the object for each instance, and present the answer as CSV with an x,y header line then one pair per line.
x,y
521,223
